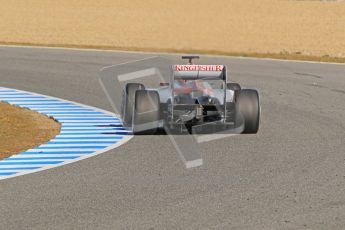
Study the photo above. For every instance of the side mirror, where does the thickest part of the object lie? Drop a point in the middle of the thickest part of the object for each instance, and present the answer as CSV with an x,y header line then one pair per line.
x,y
233,86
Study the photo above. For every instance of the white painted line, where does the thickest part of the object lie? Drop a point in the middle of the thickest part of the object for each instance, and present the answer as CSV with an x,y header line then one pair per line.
x,y
89,124
75,116
68,145
72,116
61,150
68,107
37,102
82,140
94,132
83,135
208,137
2,94
19,97
27,164
11,170
194,163
16,166
27,99
46,155
57,110
76,140
87,121
88,128
137,74
23,159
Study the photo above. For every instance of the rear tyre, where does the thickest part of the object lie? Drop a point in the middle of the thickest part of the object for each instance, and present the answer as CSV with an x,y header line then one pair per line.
x,y
248,110
128,101
146,112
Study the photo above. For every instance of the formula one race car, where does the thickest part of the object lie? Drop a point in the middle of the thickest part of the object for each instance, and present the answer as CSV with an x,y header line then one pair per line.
x,y
198,99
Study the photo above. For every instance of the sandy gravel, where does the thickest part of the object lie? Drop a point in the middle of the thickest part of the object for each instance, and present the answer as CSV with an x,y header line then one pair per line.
x,y
242,26
22,129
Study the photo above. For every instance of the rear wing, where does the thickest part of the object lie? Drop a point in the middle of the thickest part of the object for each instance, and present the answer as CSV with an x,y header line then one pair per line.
x,y
194,72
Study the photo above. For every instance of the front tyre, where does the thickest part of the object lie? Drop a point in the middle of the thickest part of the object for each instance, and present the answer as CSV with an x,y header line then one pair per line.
x,y
248,110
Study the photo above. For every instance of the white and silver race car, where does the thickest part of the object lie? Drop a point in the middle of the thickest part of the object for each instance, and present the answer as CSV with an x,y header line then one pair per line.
x,y
198,99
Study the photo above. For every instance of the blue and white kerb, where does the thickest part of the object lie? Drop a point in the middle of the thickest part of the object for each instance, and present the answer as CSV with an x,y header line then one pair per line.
x,y
85,131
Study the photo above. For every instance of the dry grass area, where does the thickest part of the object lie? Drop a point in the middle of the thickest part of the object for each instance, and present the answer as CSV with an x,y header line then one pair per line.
x,y
278,28
22,129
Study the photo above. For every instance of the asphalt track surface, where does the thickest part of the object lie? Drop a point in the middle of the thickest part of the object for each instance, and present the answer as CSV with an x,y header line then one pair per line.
x,y
291,175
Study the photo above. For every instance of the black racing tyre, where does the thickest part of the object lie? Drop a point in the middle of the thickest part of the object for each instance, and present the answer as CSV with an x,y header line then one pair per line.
x,y
128,101
248,110
233,86
146,112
